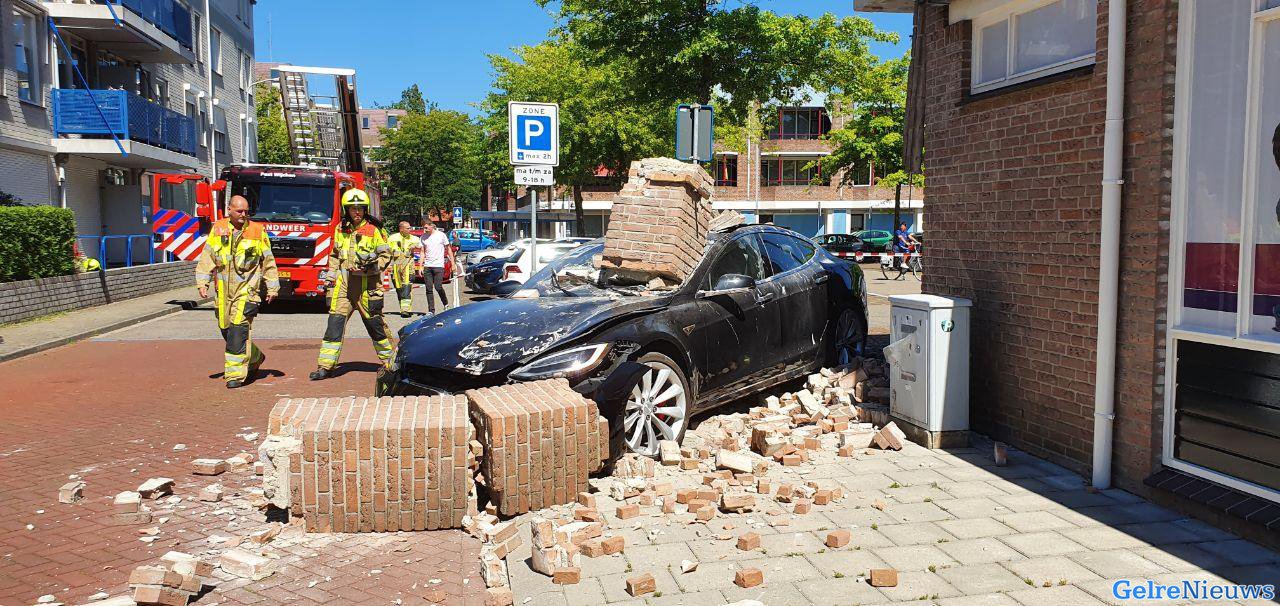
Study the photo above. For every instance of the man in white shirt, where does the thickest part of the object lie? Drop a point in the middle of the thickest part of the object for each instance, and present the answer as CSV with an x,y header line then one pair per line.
x,y
435,249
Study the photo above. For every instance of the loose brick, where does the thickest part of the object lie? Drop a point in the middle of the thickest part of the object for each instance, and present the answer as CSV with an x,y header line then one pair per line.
x,y
614,544
155,488
626,512
211,493
593,548
208,467
801,506
499,596
737,502
587,500
567,576
821,497
748,577
241,563
706,513
838,538
883,577
641,585
749,541
890,437
71,492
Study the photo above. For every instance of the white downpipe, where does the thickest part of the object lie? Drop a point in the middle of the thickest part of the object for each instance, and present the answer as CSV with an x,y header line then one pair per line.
x,y
208,74
1104,395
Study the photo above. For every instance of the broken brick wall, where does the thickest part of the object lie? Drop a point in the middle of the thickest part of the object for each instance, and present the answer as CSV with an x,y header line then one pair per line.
x,y
658,223
542,441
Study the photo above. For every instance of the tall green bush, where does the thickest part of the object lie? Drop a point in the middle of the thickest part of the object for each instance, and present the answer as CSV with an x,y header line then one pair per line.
x,y
35,242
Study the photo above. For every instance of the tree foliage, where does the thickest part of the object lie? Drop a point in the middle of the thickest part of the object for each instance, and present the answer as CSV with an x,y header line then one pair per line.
x,y
876,101
431,161
273,134
413,101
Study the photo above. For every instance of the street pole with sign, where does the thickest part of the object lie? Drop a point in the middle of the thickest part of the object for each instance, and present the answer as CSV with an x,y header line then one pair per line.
x,y
695,132
534,148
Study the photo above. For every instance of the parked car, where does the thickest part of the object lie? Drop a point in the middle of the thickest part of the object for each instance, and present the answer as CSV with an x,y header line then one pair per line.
x,y
469,240
875,239
763,306
483,276
500,251
845,246
573,240
518,267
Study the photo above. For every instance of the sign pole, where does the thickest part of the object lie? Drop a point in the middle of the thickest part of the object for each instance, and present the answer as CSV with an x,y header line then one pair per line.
x,y
533,230
693,151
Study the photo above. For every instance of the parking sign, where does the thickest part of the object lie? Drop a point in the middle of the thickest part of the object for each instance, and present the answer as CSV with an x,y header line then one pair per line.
x,y
534,133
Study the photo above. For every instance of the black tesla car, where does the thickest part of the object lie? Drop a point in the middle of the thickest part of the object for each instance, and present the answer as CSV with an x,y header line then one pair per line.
x,y
764,306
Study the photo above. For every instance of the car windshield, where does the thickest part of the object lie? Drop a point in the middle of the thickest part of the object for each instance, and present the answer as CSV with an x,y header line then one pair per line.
x,y
577,261
286,202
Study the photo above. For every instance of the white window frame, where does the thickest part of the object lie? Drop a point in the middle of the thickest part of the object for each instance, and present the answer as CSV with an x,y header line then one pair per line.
x,y
226,137
1009,12
1239,337
215,50
197,37
36,75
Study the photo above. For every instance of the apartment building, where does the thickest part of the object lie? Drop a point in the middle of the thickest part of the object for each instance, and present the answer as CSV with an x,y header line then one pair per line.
x,y
115,92
1126,156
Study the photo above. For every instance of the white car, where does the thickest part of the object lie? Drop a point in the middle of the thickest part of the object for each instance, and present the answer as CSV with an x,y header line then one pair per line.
x,y
501,251
518,269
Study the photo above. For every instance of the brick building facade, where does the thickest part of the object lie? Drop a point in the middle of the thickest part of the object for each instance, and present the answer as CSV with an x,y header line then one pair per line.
x,y
1014,149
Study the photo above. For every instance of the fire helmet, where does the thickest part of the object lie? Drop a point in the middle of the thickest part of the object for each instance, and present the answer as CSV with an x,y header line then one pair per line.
x,y
355,197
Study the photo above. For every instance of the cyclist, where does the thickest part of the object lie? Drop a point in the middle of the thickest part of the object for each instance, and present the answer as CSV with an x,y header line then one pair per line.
x,y
903,243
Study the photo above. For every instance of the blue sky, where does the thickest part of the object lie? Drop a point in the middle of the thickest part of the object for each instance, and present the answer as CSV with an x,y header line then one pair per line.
x,y
442,44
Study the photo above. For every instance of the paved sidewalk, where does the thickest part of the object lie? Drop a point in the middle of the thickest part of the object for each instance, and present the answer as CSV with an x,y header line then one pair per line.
x,y
960,531
39,334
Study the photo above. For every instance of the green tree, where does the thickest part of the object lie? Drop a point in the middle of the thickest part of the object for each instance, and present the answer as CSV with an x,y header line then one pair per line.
x,y
413,101
695,50
600,126
431,162
273,134
876,99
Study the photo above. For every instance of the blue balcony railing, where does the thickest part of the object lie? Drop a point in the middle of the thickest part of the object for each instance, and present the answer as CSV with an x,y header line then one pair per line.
x,y
128,115
168,16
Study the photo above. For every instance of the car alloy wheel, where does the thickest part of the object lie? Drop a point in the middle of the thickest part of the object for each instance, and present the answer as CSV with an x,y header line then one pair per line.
x,y
848,338
657,408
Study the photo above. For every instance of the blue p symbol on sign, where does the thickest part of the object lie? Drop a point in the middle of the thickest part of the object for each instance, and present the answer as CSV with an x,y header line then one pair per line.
x,y
534,133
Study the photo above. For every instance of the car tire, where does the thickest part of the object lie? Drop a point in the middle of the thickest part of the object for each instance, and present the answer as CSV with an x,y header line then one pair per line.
x,y
663,375
848,337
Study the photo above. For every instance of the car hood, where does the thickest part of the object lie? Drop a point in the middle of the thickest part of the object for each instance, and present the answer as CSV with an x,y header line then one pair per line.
x,y
489,336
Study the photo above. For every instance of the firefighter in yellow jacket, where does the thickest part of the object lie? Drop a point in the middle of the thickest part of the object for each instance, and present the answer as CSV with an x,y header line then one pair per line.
x,y
404,266
354,280
236,261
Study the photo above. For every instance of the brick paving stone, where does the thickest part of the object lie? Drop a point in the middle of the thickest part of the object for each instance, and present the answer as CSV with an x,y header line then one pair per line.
x,y
914,477
914,557
650,557
1182,557
1051,570
918,512
924,533
701,598
1159,533
972,507
917,494
919,585
1103,537
1240,552
980,551
1037,544
1117,563
972,489
981,578
990,599
974,528
792,542
1032,521
587,593
846,563
615,586
1028,501
1066,595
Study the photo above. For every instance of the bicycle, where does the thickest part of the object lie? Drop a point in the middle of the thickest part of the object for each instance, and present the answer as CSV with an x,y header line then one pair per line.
x,y
890,260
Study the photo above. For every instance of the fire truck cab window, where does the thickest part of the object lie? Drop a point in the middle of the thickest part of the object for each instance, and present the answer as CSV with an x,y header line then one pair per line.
x,y
178,196
287,202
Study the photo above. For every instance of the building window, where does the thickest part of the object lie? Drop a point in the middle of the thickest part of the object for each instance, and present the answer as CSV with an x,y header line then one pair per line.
x,y
364,122
244,137
801,123
26,51
727,170
1015,43
778,170
245,70
219,130
392,121
197,37
215,51
161,92
203,128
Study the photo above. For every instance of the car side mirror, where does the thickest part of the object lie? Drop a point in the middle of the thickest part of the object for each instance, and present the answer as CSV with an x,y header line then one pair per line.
x,y
729,284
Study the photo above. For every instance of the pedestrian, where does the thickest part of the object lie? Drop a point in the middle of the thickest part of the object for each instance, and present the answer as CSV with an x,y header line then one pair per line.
x,y
236,262
405,263
354,280
435,249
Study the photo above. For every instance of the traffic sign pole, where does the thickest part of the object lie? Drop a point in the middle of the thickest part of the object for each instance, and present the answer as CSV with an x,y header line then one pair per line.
x,y
534,143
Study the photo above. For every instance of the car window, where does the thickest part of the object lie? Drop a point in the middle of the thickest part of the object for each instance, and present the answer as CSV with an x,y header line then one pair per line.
x,y
785,253
740,256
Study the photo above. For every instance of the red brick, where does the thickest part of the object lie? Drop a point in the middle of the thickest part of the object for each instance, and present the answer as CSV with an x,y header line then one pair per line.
x,y
749,541
640,585
883,577
748,577
838,538
626,512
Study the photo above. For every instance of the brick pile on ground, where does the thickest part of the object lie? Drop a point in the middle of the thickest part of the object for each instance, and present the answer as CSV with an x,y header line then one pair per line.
x,y
370,464
542,441
733,475
659,221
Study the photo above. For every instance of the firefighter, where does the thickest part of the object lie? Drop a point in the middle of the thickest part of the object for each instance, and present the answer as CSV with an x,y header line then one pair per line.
x,y
236,261
404,264
354,280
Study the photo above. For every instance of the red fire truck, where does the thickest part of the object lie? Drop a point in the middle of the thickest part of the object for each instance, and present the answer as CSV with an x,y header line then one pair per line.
x,y
300,205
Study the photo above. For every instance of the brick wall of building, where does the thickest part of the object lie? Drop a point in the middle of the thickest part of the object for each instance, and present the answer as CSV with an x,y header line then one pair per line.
x,y
32,298
1013,215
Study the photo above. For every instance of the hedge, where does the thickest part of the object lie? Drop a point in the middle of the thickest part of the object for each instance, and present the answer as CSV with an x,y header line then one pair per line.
x,y
35,242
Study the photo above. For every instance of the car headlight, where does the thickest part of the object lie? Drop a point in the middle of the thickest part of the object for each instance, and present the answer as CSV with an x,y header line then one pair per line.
x,y
569,363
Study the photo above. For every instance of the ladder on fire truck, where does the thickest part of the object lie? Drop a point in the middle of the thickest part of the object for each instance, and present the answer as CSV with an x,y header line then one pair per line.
x,y
323,130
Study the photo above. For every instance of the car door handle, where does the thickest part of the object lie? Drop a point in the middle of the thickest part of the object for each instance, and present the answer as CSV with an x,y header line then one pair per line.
x,y
764,298
821,278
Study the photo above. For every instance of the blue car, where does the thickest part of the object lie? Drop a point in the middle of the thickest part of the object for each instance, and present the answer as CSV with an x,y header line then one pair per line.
x,y
483,276
468,240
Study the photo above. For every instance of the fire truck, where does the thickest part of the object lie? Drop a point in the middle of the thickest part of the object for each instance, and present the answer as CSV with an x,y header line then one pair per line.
x,y
298,204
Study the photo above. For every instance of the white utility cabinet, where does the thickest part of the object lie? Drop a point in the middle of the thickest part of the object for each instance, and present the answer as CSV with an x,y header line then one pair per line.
x,y
929,384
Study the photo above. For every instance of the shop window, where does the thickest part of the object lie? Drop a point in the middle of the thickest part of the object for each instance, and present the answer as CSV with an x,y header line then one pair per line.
x,y
1015,43
727,171
780,170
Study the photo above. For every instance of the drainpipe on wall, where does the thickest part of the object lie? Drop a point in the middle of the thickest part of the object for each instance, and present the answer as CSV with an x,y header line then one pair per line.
x,y
208,74
1104,395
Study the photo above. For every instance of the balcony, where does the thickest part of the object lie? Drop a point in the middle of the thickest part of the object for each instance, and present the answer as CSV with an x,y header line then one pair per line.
x,y
153,136
147,31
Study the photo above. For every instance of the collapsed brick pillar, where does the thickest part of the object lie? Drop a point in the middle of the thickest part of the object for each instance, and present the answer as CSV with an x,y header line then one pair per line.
x,y
659,221
374,464
542,440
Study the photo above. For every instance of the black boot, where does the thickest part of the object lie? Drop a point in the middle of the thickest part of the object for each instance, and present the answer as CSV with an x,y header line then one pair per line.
x,y
235,383
319,373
